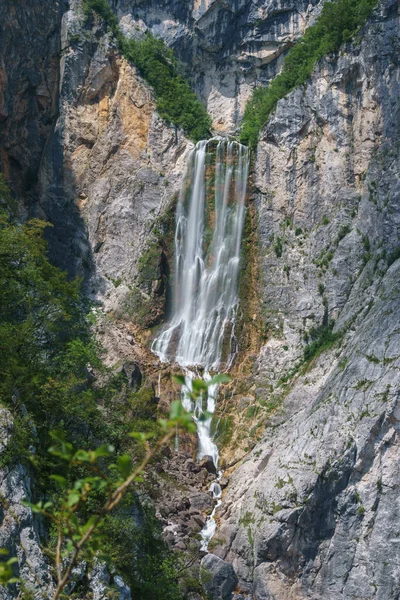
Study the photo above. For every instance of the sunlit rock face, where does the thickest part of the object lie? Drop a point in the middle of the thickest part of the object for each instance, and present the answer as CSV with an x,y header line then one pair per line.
x,y
228,47
120,164
313,511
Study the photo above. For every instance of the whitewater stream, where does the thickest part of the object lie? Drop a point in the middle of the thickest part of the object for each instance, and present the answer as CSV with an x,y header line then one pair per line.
x,y
201,332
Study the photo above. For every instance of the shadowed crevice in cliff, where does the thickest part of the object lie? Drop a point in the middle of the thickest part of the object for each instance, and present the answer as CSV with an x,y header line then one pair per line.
x,y
31,149
69,247
29,76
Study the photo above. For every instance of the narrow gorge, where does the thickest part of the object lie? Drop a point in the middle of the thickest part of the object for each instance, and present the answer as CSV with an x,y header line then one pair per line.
x,y
200,213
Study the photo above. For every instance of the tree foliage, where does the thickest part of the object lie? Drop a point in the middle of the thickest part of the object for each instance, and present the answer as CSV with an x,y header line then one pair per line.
x,y
77,531
48,366
176,103
338,22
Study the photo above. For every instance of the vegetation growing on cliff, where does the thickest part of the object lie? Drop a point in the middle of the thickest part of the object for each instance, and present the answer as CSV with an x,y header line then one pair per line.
x,y
48,367
338,22
176,103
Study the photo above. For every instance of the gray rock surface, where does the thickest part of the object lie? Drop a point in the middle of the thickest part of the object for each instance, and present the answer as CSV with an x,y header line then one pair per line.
x,y
218,577
111,167
19,530
227,46
312,512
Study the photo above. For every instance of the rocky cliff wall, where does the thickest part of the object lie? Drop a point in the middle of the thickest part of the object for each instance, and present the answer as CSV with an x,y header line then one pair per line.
x,y
227,47
29,70
111,166
312,512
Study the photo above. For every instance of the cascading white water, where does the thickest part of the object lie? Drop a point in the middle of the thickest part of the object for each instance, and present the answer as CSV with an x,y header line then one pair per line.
x,y
207,251
209,224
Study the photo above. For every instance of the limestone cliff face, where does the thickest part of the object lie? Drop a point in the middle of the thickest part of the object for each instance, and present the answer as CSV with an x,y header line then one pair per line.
x,y
118,164
313,511
227,46
19,532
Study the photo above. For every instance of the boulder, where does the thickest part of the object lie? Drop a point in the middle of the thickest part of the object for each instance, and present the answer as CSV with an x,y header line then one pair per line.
x,y
208,463
218,577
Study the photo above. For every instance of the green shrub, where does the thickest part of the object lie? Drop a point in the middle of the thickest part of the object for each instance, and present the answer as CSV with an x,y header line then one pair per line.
x,y
393,256
321,339
343,231
134,543
337,23
176,103
278,247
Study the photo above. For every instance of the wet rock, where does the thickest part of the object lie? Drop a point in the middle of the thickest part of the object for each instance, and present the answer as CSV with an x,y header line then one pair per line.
x,y
199,520
208,464
133,374
202,477
191,466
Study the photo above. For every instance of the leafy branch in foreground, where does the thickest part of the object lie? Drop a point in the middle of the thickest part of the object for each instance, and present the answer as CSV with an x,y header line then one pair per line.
x,y
6,569
338,22
73,535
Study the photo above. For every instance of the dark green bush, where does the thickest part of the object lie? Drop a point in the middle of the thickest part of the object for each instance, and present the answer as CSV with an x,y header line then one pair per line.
x,y
321,339
337,23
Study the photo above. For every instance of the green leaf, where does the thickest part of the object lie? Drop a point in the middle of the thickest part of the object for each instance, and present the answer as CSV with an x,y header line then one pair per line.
x,y
221,378
179,379
62,481
176,410
199,385
104,450
58,435
73,499
124,465
35,508
82,456
89,523
64,452
141,437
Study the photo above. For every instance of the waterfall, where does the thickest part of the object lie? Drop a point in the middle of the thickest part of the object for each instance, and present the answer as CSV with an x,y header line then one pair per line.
x,y
209,224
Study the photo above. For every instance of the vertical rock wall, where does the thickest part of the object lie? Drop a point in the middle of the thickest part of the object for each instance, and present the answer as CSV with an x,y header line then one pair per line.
x,y
29,70
313,511
227,47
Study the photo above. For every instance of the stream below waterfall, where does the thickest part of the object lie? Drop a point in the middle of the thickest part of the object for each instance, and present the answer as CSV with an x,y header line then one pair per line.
x,y
201,332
